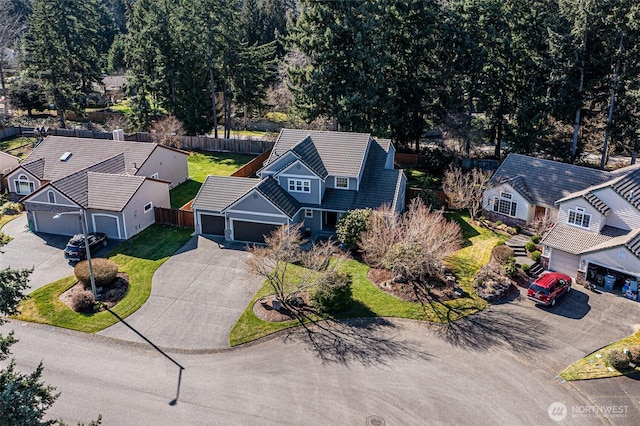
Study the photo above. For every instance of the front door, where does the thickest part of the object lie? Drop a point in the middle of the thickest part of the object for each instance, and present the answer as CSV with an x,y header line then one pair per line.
x,y
539,214
330,220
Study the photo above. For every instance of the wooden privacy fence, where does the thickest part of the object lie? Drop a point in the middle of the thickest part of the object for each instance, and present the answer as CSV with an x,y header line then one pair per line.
x,y
175,217
252,166
408,160
240,146
9,132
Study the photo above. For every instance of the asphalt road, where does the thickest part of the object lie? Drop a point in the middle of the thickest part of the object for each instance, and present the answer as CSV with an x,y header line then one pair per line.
x,y
403,372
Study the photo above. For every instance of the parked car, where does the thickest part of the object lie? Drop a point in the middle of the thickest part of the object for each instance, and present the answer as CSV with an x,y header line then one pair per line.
x,y
75,249
546,289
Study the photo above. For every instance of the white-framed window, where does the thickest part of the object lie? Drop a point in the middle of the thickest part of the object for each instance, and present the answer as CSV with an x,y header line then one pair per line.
x,y
308,213
622,254
154,176
342,182
148,207
52,197
23,185
299,185
504,205
579,218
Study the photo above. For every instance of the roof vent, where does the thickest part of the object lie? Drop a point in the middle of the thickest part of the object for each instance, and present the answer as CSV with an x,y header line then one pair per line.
x,y
65,156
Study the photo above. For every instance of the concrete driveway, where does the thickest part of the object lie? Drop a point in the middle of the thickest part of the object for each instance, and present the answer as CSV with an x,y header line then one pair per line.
x,y
196,298
43,252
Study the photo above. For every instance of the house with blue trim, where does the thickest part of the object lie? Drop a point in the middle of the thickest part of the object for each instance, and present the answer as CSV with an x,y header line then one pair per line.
x,y
311,177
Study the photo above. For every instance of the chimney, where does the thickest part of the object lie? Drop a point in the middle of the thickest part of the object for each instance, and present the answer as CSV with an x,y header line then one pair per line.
x,y
118,135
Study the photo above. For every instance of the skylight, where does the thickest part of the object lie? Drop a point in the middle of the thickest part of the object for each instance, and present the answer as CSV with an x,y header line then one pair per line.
x,y
65,156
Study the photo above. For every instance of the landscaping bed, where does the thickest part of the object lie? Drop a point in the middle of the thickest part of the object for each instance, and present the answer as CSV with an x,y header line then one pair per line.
x,y
108,299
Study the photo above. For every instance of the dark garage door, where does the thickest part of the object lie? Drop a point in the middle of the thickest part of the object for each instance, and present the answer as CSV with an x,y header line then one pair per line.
x,y
252,231
212,224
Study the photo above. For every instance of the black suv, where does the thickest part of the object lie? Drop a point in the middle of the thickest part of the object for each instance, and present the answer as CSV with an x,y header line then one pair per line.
x,y
75,247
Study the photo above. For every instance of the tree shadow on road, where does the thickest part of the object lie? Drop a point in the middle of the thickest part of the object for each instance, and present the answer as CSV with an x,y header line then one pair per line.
x,y
367,341
493,328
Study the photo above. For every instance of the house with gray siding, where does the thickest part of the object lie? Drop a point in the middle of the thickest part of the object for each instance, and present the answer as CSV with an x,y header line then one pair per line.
x,y
596,230
115,184
311,177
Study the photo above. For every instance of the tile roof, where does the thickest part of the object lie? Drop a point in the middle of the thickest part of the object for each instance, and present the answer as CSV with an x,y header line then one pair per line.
x,y
84,153
76,187
597,203
341,153
112,192
633,244
35,167
536,175
308,154
378,185
628,240
574,240
629,188
272,191
218,192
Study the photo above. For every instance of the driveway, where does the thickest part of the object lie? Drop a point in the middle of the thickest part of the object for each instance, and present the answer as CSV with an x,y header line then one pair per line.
x,y
43,252
196,298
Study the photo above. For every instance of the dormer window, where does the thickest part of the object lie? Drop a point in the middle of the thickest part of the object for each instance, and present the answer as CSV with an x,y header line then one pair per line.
x,y
300,185
342,182
578,217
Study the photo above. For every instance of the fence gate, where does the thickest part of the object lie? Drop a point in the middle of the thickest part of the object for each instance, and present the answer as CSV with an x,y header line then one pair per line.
x,y
174,217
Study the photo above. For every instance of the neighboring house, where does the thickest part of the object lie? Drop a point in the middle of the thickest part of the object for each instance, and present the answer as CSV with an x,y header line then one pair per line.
x,y
8,162
115,183
524,189
311,177
596,235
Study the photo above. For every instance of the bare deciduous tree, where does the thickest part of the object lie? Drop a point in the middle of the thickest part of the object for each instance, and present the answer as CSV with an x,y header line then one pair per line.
x,y
167,131
116,122
465,189
284,246
413,245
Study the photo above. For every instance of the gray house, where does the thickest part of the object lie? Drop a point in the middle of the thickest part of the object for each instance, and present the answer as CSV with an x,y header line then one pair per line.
x,y
115,184
311,177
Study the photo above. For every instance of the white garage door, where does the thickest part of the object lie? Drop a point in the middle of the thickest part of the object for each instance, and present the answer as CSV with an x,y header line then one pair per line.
x,y
107,224
63,225
561,261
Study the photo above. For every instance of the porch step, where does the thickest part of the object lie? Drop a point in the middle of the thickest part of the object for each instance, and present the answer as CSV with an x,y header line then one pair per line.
x,y
536,269
519,251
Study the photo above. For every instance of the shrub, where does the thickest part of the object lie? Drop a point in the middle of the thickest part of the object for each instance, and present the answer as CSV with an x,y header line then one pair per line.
x,y
535,239
83,301
11,208
535,256
498,223
525,268
510,269
333,293
530,246
634,353
431,199
490,284
618,359
351,225
104,272
502,254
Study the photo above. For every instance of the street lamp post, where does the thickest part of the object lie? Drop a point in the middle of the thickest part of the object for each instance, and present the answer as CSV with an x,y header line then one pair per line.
x,y
86,247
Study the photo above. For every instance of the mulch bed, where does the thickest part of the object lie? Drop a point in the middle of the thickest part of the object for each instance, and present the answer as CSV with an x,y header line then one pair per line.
x,y
109,297
263,309
410,292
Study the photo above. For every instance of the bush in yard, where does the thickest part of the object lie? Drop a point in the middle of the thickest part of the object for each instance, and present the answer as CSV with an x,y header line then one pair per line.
x,y
104,272
333,293
431,199
634,353
490,284
530,246
535,256
510,268
83,301
525,268
351,225
11,208
535,239
502,254
618,359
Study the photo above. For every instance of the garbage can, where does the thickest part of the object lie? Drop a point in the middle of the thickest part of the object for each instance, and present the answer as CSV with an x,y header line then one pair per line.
x,y
609,280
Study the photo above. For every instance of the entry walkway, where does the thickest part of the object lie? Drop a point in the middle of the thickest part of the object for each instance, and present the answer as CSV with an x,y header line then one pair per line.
x,y
196,298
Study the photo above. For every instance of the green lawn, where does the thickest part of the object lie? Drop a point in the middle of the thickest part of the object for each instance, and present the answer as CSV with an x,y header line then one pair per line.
x,y
200,166
138,257
595,366
420,179
370,301
16,142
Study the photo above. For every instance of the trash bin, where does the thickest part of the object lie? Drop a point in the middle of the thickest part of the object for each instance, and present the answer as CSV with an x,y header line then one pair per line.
x,y
609,280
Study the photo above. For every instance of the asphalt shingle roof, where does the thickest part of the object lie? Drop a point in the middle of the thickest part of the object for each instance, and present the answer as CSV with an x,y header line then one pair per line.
x,y
546,181
574,240
272,191
341,153
378,185
308,154
84,153
218,192
35,167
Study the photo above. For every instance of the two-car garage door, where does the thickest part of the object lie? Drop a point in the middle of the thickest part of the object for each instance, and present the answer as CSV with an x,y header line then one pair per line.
x,y
252,231
61,225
